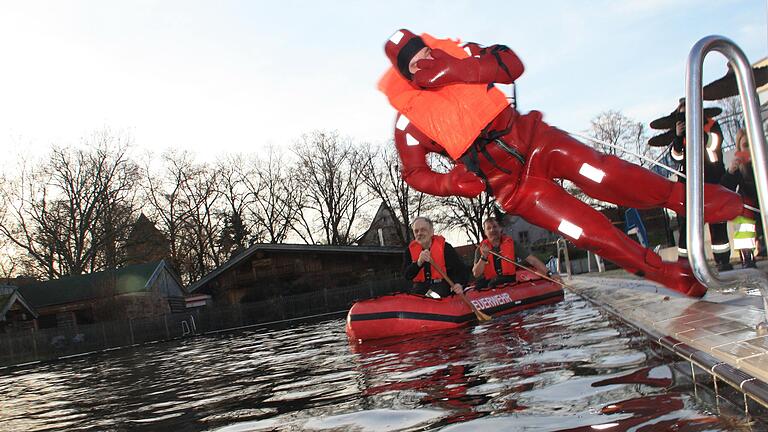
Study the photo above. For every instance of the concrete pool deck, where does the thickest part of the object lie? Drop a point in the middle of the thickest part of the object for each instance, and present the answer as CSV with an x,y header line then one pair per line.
x,y
716,332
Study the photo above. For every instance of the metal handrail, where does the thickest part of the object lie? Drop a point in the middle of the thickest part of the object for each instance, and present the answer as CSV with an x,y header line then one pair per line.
x,y
562,245
598,262
694,118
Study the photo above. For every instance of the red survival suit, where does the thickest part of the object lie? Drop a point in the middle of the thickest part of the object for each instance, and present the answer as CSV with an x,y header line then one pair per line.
x,y
517,157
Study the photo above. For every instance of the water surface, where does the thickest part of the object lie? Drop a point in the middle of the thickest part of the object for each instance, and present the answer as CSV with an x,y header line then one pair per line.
x,y
560,367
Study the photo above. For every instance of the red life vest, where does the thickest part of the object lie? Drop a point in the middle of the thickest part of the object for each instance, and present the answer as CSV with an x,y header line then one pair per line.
x,y
453,115
507,250
437,251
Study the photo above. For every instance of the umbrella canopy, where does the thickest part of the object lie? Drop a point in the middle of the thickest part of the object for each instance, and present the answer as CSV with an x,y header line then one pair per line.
x,y
726,86
662,139
668,122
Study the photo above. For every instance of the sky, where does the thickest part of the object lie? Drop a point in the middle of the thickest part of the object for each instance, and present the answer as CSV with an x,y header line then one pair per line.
x,y
216,77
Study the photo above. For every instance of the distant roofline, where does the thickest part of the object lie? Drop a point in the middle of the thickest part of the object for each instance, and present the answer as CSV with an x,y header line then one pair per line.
x,y
44,285
283,247
16,295
163,264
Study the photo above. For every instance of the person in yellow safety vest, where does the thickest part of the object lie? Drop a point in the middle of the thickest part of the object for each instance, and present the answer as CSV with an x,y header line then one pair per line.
x,y
714,168
490,269
741,178
426,251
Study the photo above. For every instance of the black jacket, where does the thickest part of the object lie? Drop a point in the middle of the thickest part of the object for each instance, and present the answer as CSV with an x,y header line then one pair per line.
x,y
713,170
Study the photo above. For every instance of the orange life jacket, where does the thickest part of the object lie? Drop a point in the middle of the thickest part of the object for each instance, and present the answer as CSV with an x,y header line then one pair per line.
x,y
452,115
507,250
437,251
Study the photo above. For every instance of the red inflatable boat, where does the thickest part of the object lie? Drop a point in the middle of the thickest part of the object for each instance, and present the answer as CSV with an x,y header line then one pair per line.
x,y
403,314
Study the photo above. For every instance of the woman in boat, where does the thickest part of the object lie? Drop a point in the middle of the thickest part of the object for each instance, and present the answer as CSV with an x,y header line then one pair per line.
x,y
427,251
490,269
444,94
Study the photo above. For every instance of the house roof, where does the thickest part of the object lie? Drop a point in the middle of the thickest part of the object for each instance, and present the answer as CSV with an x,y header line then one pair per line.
x,y
8,296
297,248
72,289
378,221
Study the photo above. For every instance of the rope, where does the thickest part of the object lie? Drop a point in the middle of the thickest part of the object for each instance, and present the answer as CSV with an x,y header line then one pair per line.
x,y
645,158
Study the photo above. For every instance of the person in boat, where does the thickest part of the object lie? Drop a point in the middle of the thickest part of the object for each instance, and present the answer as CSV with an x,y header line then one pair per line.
x,y
426,251
446,102
714,169
740,177
490,269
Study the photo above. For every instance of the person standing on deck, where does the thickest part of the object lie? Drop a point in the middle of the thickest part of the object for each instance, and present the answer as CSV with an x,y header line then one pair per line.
x,y
490,269
446,102
741,177
713,172
426,251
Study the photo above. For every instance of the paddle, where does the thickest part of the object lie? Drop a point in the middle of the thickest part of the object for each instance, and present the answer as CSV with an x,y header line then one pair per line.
x,y
524,267
478,313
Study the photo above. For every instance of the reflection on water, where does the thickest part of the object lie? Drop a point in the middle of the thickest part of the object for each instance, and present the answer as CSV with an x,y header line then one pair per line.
x,y
560,367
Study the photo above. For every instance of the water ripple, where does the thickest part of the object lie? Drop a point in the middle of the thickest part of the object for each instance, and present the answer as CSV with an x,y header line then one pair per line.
x,y
561,367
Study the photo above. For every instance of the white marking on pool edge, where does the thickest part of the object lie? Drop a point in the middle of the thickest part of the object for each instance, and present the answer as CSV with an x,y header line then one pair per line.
x,y
592,173
570,229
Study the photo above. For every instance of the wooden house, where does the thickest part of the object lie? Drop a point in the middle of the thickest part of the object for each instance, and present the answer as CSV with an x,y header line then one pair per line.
x,y
130,292
269,270
15,312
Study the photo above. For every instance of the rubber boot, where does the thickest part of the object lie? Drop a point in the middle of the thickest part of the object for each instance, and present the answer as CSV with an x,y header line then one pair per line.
x,y
676,276
747,259
723,261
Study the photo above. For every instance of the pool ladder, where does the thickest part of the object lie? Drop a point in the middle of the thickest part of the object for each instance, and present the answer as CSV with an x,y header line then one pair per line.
x,y
694,118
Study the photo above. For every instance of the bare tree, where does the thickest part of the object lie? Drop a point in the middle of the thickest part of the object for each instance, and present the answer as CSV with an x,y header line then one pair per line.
x,y
169,206
330,176
237,198
69,213
9,262
626,136
277,196
731,120
205,222
467,214
382,175
628,140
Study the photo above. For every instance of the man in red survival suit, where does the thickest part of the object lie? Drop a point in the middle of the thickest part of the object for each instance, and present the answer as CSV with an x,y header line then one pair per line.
x,y
446,102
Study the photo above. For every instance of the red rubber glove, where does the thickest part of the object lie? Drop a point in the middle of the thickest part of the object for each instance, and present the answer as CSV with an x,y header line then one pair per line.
x,y
443,69
461,182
